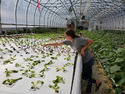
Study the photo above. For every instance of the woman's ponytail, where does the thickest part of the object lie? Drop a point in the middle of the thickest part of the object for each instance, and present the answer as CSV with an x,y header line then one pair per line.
x,y
71,33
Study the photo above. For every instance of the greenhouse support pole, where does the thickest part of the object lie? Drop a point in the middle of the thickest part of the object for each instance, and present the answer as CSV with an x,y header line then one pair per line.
x,y
0,19
16,15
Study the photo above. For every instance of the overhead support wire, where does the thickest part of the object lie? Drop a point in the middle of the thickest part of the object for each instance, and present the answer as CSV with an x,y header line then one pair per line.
x,y
73,9
65,6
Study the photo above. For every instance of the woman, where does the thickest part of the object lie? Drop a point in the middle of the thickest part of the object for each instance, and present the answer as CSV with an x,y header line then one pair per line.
x,y
81,46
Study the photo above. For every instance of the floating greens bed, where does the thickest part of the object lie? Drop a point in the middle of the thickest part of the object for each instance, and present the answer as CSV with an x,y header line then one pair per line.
x,y
28,68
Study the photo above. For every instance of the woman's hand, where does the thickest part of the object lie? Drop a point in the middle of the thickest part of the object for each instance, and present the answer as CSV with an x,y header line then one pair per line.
x,y
82,52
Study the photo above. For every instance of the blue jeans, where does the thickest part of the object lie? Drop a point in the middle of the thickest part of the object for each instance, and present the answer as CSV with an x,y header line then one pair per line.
x,y
87,74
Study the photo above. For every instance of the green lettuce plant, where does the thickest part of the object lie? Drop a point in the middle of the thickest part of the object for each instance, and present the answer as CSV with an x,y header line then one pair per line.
x,y
11,81
35,86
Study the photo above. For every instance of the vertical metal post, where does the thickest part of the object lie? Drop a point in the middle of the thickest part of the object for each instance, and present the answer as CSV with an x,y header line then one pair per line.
x,y
27,16
16,14
0,19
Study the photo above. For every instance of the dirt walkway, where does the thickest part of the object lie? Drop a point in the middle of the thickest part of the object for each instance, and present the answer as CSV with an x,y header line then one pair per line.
x,y
96,75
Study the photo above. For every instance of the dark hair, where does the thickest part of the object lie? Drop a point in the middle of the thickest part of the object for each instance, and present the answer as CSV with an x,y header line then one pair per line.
x,y
71,33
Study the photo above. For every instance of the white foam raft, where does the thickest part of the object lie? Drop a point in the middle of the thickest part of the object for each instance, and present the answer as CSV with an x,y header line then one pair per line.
x,y
23,86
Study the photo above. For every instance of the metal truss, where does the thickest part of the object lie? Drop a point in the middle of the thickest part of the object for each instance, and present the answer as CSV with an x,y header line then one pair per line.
x,y
55,13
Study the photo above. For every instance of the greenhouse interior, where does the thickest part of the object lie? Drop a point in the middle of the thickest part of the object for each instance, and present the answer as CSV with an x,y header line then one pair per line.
x,y
33,59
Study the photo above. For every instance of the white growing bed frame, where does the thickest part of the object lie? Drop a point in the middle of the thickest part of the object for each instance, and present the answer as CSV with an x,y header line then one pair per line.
x,y
23,86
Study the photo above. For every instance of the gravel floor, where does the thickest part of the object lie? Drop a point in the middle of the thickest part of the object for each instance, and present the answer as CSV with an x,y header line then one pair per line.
x,y
96,75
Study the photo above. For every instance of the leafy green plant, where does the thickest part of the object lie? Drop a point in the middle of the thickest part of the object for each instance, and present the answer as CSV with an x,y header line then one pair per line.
x,y
9,60
11,81
44,56
68,64
29,73
63,68
50,62
48,54
8,72
17,65
57,69
55,86
32,56
36,62
28,59
108,47
1,50
30,66
42,75
25,73
43,70
58,80
42,60
53,57
34,86
68,57
58,54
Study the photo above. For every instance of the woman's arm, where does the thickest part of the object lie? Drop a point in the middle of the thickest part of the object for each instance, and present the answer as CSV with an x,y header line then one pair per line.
x,y
90,41
53,44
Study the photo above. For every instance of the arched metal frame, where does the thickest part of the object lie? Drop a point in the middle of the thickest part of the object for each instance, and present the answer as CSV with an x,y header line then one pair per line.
x,y
55,12
118,11
45,15
27,14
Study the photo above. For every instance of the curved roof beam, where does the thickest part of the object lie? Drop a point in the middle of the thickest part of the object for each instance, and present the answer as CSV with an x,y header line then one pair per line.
x,y
27,13
50,12
42,10
53,15
114,13
106,10
48,9
44,7
73,8
46,13
65,7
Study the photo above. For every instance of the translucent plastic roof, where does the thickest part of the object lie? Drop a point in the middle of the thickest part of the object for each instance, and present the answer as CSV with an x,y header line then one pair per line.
x,y
56,12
